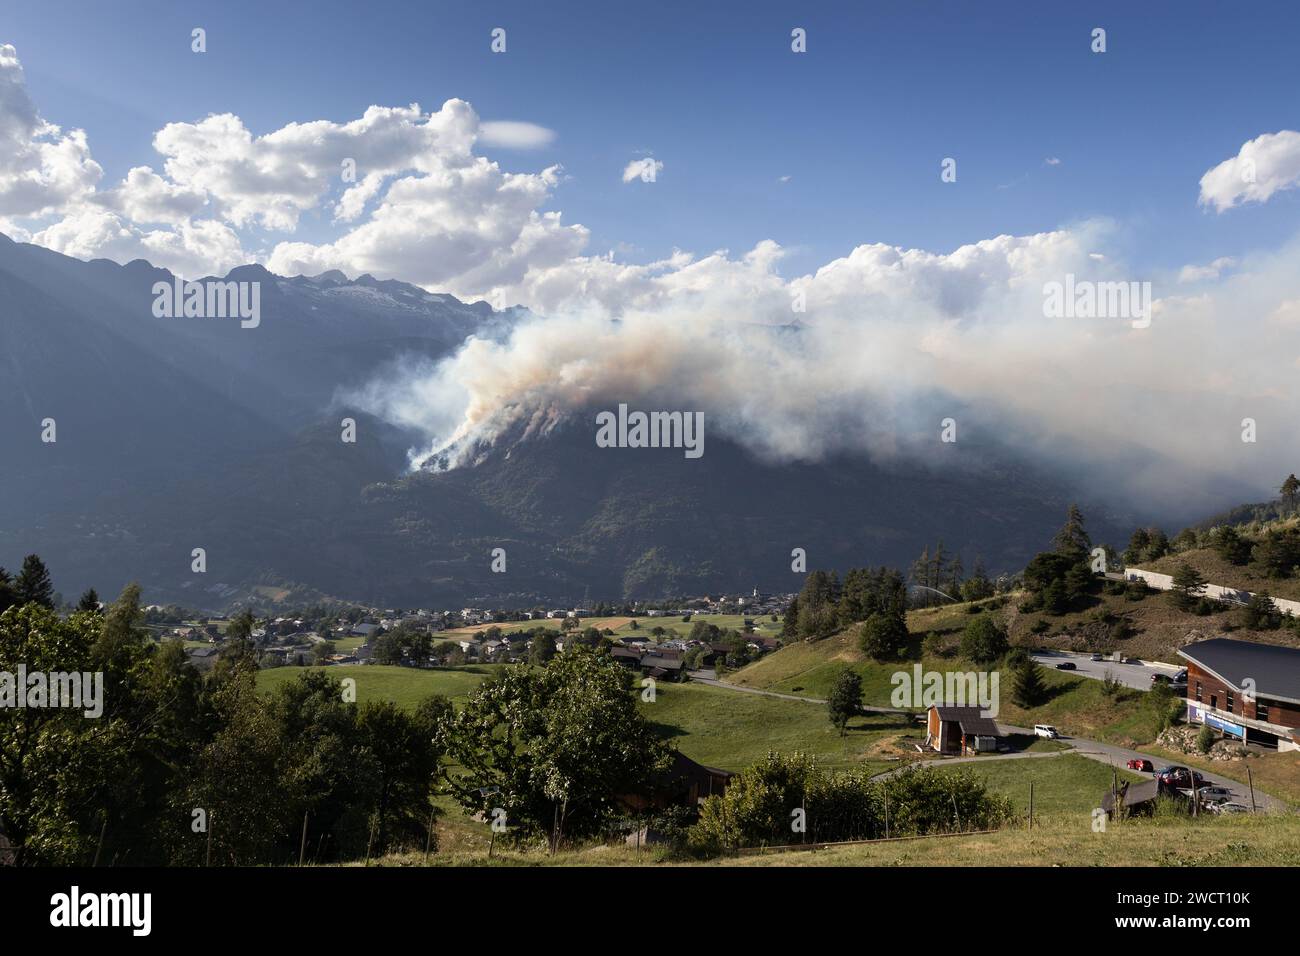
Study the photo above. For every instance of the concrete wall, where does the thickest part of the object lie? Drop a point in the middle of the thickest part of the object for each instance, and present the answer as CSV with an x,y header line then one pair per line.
x,y
1164,582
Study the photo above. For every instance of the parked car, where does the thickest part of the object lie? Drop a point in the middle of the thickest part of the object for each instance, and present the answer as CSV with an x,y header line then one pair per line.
x,y
1228,807
1131,660
1097,657
1180,777
1065,666
1141,764
1046,730
1214,794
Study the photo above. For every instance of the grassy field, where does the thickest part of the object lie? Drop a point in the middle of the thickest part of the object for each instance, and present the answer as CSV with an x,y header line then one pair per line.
x,y
1061,839
731,729
622,626
1068,840
405,686
763,624
1078,705
1063,784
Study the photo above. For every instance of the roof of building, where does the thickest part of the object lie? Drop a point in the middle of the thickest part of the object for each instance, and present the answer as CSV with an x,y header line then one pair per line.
x,y
971,721
1275,670
659,662
1132,794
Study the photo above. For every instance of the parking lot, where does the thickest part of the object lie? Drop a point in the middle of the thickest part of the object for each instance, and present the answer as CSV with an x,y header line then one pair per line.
x,y
1130,675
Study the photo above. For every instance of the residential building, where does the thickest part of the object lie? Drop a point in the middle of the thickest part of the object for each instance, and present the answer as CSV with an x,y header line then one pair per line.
x,y
1245,690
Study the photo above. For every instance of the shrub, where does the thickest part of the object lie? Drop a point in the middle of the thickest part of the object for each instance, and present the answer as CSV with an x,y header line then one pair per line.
x,y
883,636
1205,739
983,641
759,807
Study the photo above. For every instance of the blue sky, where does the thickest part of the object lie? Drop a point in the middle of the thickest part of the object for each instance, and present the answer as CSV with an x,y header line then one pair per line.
x,y
860,123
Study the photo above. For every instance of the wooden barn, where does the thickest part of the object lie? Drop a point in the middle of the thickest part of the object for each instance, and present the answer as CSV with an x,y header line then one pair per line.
x,y
960,730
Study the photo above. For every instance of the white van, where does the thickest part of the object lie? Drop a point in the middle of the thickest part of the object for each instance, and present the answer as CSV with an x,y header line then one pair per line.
x,y
1046,730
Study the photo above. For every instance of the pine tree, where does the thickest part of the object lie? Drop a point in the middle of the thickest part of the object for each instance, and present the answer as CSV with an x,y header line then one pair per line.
x,y
8,596
1290,489
89,601
1027,688
1072,540
1187,586
33,583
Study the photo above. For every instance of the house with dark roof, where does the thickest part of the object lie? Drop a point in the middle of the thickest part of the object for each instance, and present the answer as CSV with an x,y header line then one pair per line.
x,y
1245,690
960,730
684,783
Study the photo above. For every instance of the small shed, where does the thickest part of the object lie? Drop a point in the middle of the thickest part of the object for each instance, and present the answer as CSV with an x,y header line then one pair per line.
x,y
960,730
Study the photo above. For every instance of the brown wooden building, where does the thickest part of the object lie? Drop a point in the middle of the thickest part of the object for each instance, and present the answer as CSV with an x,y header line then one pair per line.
x,y
1245,690
685,783
960,730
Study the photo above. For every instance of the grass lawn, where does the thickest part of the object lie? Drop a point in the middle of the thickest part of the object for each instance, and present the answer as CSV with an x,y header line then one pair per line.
x,y
1063,784
405,686
731,729
764,626
1060,839
1068,840
551,624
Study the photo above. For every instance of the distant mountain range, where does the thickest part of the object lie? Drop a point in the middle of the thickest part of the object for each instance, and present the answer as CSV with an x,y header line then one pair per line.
x,y
177,433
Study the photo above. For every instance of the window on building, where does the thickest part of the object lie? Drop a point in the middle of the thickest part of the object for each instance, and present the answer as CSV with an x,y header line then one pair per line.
x,y
1261,710
1198,692
1228,701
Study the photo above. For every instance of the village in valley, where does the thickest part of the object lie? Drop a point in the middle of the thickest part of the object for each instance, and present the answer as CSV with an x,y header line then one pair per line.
x,y
1139,689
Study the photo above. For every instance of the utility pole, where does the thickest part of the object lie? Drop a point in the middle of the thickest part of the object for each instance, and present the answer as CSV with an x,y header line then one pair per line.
x,y
302,846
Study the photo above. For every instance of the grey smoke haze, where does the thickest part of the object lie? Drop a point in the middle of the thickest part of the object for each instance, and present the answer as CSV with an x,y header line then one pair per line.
x,y
891,342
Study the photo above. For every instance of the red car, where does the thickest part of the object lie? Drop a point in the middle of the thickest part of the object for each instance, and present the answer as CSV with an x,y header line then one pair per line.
x,y
1142,765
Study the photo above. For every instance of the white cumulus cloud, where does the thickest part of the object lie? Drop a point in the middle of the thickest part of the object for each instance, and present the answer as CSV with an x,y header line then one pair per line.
x,y
1263,166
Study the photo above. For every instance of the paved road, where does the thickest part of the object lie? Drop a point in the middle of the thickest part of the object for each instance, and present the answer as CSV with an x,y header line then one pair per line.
x,y
1131,675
